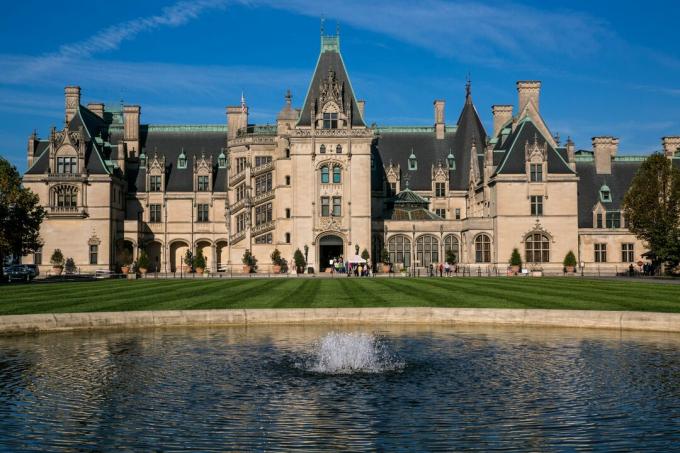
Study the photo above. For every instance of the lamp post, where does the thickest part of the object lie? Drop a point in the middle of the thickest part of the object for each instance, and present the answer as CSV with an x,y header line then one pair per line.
x,y
582,265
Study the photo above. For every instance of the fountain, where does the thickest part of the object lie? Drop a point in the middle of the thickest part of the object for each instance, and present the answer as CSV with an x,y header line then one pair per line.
x,y
352,352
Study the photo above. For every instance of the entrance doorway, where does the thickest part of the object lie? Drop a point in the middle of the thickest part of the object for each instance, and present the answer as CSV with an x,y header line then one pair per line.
x,y
330,247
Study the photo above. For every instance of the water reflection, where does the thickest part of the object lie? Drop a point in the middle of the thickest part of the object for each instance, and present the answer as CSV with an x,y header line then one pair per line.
x,y
241,389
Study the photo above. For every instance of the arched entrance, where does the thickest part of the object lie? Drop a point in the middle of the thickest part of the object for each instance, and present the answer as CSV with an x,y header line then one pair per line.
x,y
330,247
153,251
178,250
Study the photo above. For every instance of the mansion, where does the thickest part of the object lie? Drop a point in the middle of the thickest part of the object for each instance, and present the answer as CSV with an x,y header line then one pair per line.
x,y
322,178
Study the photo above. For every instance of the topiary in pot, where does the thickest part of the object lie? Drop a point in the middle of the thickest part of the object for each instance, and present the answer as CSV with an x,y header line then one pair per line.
x,y
57,261
188,261
385,259
125,261
299,261
70,266
451,257
249,262
569,262
277,261
199,262
515,261
143,262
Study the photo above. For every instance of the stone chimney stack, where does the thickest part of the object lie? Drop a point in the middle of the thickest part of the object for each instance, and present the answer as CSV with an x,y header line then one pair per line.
x,y
131,115
605,149
671,145
32,146
528,90
97,108
233,121
501,115
571,153
72,101
361,105
439,122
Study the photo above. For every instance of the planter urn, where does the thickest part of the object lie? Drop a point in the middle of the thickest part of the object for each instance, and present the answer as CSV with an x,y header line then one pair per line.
x,y
571,269
276,269
200,270
514,269
385,268
246,269
143,270
57,270
125,269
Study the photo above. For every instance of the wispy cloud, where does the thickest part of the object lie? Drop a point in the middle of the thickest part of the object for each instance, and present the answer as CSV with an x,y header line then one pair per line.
x,y
109,39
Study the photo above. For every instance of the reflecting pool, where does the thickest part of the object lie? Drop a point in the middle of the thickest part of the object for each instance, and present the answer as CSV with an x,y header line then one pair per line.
x,y
340,388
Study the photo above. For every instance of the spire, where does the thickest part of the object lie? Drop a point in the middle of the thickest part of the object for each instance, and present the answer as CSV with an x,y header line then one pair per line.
x,y
468,90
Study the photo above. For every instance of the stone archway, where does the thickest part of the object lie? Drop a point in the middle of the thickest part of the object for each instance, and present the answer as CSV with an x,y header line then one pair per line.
x,y
205,246
330,247
221,257
153,251
178,250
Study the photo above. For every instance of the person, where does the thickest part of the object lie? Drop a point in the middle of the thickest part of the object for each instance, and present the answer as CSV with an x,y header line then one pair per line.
x,y
447,269
441,270
631,270
431,270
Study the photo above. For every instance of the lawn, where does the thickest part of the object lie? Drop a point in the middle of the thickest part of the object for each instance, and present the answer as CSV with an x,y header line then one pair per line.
x,y
150,294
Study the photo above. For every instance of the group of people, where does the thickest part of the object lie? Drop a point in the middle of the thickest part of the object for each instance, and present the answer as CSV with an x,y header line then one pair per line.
x,y
339,266
444,269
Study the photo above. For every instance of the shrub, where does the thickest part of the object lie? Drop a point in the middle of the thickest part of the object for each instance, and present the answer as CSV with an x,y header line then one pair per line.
x,y
70,266
384,256
451,257
276,258
249,259
365,255
57,259
199,260
299,260
126,257
515,258
142,260
188,258
569,260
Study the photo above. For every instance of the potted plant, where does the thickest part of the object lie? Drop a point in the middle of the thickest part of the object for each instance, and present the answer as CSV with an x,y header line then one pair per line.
x,y
515,261
299,261
143,262
57,261
249,262
188,261
70,266
365,255
199,262
277,261
385,259
125,261
536,271
570,262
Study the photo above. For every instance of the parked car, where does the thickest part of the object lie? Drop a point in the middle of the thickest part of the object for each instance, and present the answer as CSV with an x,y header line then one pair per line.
x,y
20,272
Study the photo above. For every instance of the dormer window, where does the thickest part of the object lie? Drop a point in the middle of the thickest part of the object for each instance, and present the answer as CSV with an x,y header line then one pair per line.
x,y
66,165
142,159
412,162
182,160
222,160
605,194
330,120
451,161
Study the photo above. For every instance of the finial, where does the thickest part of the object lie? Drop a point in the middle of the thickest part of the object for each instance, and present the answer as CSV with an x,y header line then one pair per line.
x,y
323,20
337,29
468,85
289,96
557,138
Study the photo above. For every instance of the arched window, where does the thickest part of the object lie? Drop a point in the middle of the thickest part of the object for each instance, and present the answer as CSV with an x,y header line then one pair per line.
x,y
324,175
322,149
338,149
451,243
337,175
482,249
65,197
427,250
537,248
399,248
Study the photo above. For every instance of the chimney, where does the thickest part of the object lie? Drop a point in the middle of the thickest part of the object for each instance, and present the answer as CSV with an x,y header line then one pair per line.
x,y
528,90
605,149
32,145
501,115
97,108
72,101
571,154
233,121
121,156
131,128
439,124
671,145
361,105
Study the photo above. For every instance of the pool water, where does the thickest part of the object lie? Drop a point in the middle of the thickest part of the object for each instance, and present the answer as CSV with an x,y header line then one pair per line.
x,y
326,388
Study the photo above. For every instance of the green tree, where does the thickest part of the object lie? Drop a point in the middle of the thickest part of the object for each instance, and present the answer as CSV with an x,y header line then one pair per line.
x,y
142,260
652,208
384,256
365,255
199,260
515,258
20,215
299,260
188,258
57,258
276,257
569,259
451,256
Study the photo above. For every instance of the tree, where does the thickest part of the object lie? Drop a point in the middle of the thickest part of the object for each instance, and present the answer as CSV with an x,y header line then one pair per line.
x,y
142,260
569,260
199,260
652,208
451,256
384,256
57,258
515,258
249,260
276,257
365,255
299,260
188,258
20,215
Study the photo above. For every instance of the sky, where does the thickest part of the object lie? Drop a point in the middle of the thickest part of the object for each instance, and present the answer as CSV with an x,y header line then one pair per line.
x,y
607,67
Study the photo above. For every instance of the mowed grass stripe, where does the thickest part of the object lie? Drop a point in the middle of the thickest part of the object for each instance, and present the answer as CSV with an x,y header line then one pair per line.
x,y
488,292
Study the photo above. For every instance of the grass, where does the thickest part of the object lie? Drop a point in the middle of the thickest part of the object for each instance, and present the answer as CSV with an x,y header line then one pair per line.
x,y
122,295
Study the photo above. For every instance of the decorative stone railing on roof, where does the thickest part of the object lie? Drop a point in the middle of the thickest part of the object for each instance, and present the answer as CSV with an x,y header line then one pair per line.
x,y
72,177
412,129
267,129
332,133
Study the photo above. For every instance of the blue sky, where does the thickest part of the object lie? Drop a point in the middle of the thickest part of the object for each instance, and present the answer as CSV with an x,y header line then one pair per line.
x,y
608,68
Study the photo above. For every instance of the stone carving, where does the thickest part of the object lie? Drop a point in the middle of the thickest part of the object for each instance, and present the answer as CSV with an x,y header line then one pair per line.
x,y
536,150
330,90
330,223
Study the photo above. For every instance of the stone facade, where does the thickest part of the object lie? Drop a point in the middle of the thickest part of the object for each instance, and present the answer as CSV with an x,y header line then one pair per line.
x,y
322,179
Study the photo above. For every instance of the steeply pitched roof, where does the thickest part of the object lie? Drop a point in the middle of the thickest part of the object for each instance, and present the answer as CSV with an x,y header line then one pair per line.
x,y
470,129
329,60
514,159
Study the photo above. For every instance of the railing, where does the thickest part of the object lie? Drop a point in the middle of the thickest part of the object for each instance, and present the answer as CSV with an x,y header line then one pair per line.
x,y
66,176
238,206
73,211
261,198
267,129
269,166
234,238
264,227
237,178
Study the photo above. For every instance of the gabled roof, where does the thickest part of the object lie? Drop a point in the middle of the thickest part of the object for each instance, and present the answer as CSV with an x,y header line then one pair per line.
x,y
330,59
514,159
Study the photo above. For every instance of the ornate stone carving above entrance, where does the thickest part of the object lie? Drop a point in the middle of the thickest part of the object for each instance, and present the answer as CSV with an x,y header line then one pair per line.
x,y
330,223
330,90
